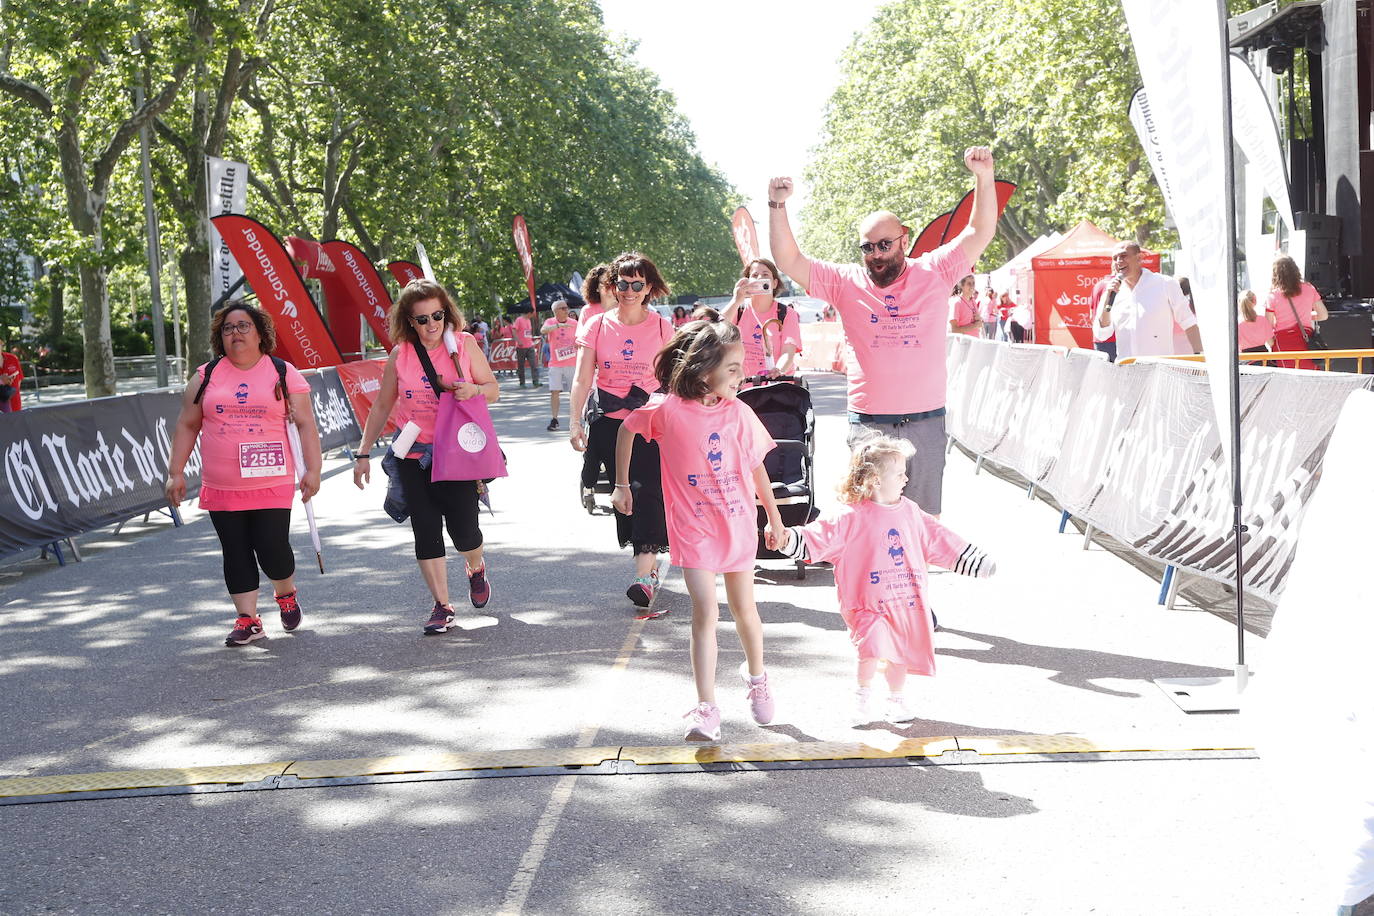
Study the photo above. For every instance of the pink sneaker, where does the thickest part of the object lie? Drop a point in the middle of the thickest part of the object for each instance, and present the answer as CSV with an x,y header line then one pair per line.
x,y
760,697
703,723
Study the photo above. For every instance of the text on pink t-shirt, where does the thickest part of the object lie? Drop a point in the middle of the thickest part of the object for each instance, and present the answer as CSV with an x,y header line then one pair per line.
x,y
562,342
243,444
708,456
625,353
751,332
415,399
895,334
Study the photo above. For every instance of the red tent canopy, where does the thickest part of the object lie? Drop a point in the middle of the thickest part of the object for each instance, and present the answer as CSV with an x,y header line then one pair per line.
x,y
1063,279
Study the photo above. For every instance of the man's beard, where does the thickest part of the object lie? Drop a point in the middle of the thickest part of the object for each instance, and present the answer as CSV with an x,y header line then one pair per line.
x,y
886,272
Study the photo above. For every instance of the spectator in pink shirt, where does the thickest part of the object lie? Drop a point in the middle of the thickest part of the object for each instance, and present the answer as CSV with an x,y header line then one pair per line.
x,y
1294,306
754,305
963,309
524,350
594,286
1253,331
895,314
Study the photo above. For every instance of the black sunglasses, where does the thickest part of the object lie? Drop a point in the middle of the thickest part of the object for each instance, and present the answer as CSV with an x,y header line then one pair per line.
x,y
883,245
422,320
623,285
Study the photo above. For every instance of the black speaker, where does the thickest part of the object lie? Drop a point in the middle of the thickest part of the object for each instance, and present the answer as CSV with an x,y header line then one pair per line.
x,y
1349,326
1318,224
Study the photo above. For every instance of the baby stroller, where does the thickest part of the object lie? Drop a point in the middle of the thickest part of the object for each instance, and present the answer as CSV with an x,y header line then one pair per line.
x,y
784,406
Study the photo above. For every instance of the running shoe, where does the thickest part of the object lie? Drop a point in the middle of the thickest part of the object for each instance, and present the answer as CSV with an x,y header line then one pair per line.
x,y
760,697
439,620
703,723
553,424
863,706
898,709
641,590
246,629
478,587
290,611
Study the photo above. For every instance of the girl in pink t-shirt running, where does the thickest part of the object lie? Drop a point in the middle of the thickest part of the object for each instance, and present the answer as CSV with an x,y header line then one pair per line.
x,y
880,543
712,449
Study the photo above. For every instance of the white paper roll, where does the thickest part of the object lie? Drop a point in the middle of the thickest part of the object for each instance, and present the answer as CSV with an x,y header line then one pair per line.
x,y
400,446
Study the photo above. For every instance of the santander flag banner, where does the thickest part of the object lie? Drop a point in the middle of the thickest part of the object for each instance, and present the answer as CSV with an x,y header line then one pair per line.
x,y
341,311
521,234
357,275
405,271
1180,46
746,235
301,335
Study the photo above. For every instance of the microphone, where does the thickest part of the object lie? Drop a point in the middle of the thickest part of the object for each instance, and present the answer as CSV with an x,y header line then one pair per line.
x,y
1111,296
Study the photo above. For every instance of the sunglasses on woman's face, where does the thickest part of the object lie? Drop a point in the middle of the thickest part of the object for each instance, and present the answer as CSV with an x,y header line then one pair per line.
x,y
422,320
623,285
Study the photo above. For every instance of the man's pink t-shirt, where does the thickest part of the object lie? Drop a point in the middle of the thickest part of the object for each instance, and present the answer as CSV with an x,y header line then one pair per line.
x,y
415,399
751,331
1303,303
587,313
1255,333
708,456
246,460
965,312
896,334
521,329
562,342
625,353
880,555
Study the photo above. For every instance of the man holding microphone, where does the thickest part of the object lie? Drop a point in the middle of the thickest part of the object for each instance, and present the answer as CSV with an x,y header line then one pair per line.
x,y
1141,307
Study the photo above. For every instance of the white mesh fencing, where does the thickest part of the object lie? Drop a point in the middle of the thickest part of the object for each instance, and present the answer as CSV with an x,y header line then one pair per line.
x,y
1134,450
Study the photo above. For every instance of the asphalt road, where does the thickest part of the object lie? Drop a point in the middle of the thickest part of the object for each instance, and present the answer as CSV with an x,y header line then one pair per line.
x,y
119,663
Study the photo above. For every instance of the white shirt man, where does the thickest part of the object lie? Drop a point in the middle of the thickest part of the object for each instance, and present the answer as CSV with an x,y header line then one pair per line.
x,y
1144,310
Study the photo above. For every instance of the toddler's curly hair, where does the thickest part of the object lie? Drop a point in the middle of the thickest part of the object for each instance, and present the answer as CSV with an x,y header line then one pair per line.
x,y
866,464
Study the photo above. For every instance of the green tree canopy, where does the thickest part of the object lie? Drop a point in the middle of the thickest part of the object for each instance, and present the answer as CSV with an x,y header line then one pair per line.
x,y
1045,83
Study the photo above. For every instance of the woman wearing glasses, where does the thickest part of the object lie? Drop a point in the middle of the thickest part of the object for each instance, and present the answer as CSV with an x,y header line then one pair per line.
x,y
418,320
616,353
236,405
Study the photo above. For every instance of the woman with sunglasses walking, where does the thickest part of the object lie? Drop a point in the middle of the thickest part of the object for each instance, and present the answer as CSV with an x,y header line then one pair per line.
x,y
616,354
419,318
238,405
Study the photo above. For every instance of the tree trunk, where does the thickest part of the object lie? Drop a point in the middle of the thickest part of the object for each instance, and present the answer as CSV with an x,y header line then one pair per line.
x,y
98,359
57,292
195,274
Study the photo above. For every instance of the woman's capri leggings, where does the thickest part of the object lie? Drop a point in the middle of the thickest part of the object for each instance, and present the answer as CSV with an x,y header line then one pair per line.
x,y
251,538
436,504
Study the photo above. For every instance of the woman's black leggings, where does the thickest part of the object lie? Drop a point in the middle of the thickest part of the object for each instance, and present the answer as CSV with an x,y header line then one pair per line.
x,y
436,504
251,538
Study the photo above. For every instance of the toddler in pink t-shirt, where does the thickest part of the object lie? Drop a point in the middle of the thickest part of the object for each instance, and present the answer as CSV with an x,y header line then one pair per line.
x,y
711,448
880,543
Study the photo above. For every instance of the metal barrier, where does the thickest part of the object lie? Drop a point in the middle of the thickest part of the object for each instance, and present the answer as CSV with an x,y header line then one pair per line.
x,y
1325,356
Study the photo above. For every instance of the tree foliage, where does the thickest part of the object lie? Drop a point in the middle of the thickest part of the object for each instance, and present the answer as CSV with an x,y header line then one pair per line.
x,y
385,122
1045,83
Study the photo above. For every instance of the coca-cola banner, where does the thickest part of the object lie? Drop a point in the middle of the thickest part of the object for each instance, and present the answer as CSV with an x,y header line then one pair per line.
x,y
70,468
502,357
302,338
362,380
333,412
365,287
